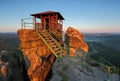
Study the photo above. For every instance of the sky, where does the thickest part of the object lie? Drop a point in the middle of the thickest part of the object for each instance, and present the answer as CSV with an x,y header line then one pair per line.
x,y
92,16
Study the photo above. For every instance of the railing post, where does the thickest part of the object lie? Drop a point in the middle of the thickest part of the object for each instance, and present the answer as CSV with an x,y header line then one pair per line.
x,y
28,22
33,23
22,23
108,73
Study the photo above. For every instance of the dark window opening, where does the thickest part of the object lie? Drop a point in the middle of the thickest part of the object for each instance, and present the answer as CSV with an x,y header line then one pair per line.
x,y
47,23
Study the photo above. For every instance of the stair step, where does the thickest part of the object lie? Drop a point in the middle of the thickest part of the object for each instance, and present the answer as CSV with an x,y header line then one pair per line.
x,y
48,39
56,49
45,36
51,42
58,53
54,46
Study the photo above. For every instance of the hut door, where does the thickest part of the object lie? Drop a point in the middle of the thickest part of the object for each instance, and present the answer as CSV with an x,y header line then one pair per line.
x,y
46,23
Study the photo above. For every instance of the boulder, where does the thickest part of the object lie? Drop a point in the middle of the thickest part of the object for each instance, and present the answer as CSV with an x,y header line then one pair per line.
x,y
75,41
72,52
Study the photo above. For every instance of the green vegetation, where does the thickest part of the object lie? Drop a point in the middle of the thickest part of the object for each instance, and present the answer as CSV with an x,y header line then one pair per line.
x,y
8,42
111,54
64,77
106,47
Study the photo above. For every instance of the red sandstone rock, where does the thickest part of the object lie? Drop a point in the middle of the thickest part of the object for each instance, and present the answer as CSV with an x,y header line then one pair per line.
x,y
38,54
3,70
72,52
76,41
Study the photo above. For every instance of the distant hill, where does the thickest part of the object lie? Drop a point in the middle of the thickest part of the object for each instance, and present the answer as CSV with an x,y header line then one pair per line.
x,y
8,41
100,34
8,35
104,45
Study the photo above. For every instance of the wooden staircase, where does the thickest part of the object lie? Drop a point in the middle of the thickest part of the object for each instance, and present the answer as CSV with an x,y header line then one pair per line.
x,y
52,44
57,34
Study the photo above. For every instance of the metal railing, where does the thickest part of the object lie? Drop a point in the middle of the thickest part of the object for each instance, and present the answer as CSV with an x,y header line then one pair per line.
x,y
56,43
58,57
107,68
27,23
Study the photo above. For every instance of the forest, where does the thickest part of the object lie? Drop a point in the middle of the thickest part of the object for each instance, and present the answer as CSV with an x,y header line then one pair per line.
x,y
105,46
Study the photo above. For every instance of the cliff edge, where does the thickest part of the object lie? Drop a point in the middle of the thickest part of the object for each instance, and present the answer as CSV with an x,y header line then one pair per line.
x,y
37,55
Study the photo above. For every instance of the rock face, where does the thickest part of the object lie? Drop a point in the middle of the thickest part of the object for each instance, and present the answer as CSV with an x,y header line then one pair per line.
x,y
76,69
11,69
37,55
75,41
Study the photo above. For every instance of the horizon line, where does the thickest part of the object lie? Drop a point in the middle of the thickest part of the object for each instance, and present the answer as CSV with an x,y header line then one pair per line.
x,y
80,32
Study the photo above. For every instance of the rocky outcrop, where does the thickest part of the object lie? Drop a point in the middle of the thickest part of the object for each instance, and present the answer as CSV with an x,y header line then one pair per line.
x,y
77,69
11,68
75,41
38,57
